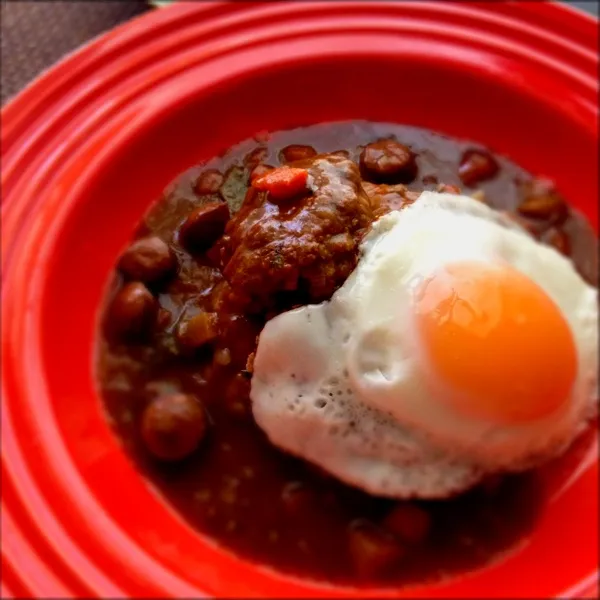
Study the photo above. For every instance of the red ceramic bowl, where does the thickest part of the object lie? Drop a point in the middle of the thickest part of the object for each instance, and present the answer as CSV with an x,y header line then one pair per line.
x,y
94,140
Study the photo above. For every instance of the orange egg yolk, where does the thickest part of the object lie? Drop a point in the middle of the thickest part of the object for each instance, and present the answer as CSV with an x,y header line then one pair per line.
x,y
496,341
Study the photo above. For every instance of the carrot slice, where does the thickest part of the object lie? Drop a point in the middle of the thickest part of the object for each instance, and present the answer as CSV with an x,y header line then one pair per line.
x,y
282,183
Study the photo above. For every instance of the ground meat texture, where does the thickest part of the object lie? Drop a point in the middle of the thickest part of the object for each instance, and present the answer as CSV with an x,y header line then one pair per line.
x,y
132,311
277,255
204,226
173,426
388,161
476,166
147,259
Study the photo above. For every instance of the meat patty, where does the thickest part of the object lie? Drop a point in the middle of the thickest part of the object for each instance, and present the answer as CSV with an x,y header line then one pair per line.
x,y
277,251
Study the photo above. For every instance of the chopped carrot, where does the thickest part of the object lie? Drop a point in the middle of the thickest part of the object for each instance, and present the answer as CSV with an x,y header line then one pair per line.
x,y
282,183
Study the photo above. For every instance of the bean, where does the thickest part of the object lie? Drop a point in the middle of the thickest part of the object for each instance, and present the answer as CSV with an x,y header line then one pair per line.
x,y
388,161
148,259
476,166
204,225
542,201
296,152
132,310
173,426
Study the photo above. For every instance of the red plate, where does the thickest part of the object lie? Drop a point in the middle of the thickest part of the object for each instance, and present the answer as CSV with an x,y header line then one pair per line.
x,y
91,142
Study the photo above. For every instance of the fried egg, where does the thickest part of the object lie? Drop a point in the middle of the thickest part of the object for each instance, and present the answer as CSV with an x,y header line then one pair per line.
x,y
459,347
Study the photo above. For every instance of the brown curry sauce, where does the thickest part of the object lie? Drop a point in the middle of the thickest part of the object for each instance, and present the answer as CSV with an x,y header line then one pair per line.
x,y
236,487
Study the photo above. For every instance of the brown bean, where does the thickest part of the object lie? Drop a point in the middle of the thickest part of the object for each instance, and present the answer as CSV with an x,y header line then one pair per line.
x,y
208,182
559,240
388,161
373,550
409,522
132,310
204,225
476,166
173,426
260,170
542,201
296,152
198,330
148,259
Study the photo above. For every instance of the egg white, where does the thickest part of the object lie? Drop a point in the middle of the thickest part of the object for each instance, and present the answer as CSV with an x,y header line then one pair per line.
x,y
345,385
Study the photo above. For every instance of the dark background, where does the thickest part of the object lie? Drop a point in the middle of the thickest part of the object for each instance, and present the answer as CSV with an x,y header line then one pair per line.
x,y
35,34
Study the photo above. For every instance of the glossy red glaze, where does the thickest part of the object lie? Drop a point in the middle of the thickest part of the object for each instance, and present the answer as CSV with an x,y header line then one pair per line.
x,y
88,145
